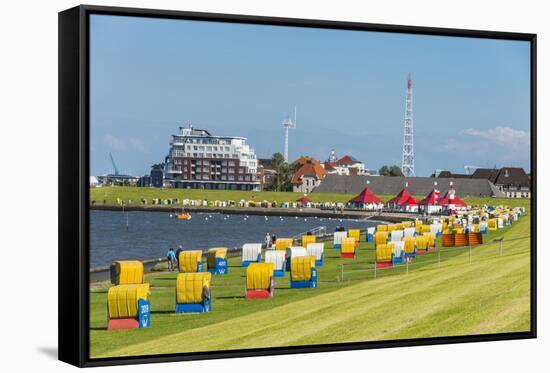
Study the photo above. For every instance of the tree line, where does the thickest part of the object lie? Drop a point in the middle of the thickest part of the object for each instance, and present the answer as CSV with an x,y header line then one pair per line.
x,y
281,180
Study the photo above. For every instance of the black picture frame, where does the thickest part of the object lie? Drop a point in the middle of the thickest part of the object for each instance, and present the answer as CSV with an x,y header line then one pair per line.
x,y
74,182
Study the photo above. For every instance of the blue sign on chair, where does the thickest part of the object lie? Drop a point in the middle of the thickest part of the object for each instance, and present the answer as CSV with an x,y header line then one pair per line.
x,y
144,313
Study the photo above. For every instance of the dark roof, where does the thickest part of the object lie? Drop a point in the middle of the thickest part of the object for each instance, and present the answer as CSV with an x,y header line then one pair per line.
x,y
265,162
504,176
391,185
449,174
512,176
157,167
485,173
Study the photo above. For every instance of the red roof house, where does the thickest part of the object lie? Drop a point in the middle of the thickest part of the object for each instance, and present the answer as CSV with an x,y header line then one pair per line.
x,y
305,159
308,176
347,160
329,166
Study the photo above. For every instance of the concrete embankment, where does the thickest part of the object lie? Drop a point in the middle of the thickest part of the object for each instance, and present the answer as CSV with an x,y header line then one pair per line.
x,y
393,217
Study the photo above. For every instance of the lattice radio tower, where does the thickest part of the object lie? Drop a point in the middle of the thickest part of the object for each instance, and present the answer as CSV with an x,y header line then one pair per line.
x,y
407,163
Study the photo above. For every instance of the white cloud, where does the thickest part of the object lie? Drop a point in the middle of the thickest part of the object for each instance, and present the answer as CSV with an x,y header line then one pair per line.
x,y
502,136
119,145
137,144
115,143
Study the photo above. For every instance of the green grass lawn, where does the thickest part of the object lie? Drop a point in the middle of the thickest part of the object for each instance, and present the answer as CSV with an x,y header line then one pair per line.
x,y
488,295
110,194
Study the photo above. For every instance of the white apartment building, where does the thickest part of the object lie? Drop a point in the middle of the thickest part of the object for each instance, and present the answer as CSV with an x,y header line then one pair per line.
x,y
199,160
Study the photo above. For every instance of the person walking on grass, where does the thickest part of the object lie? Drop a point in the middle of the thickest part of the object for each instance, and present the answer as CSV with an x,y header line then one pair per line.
x,y
171,256
178,251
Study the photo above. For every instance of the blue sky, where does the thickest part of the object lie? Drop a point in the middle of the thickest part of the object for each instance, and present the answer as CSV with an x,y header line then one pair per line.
x,y
149,76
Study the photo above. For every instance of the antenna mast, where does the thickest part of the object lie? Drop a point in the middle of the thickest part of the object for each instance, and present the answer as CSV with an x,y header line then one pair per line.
x,y
288,124
332,157
407,163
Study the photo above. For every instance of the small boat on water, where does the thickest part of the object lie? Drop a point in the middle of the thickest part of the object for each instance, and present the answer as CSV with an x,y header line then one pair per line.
x,y
182,215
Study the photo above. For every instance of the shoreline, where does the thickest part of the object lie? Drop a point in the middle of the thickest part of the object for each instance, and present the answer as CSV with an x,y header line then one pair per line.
x,y
101,273
391,217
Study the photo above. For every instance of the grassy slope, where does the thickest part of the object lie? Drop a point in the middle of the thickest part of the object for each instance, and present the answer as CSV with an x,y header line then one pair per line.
x,y
464,299
136,194
486,296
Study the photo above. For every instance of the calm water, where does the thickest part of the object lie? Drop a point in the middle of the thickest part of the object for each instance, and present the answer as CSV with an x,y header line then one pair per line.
x,y
151,234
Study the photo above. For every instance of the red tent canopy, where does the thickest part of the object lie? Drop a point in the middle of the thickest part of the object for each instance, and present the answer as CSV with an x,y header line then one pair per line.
x,y
304,200
446,201
366,196
409,202
404,198
432,199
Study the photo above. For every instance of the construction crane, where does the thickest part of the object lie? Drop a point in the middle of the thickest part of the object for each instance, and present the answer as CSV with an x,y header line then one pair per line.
x,y
114,164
